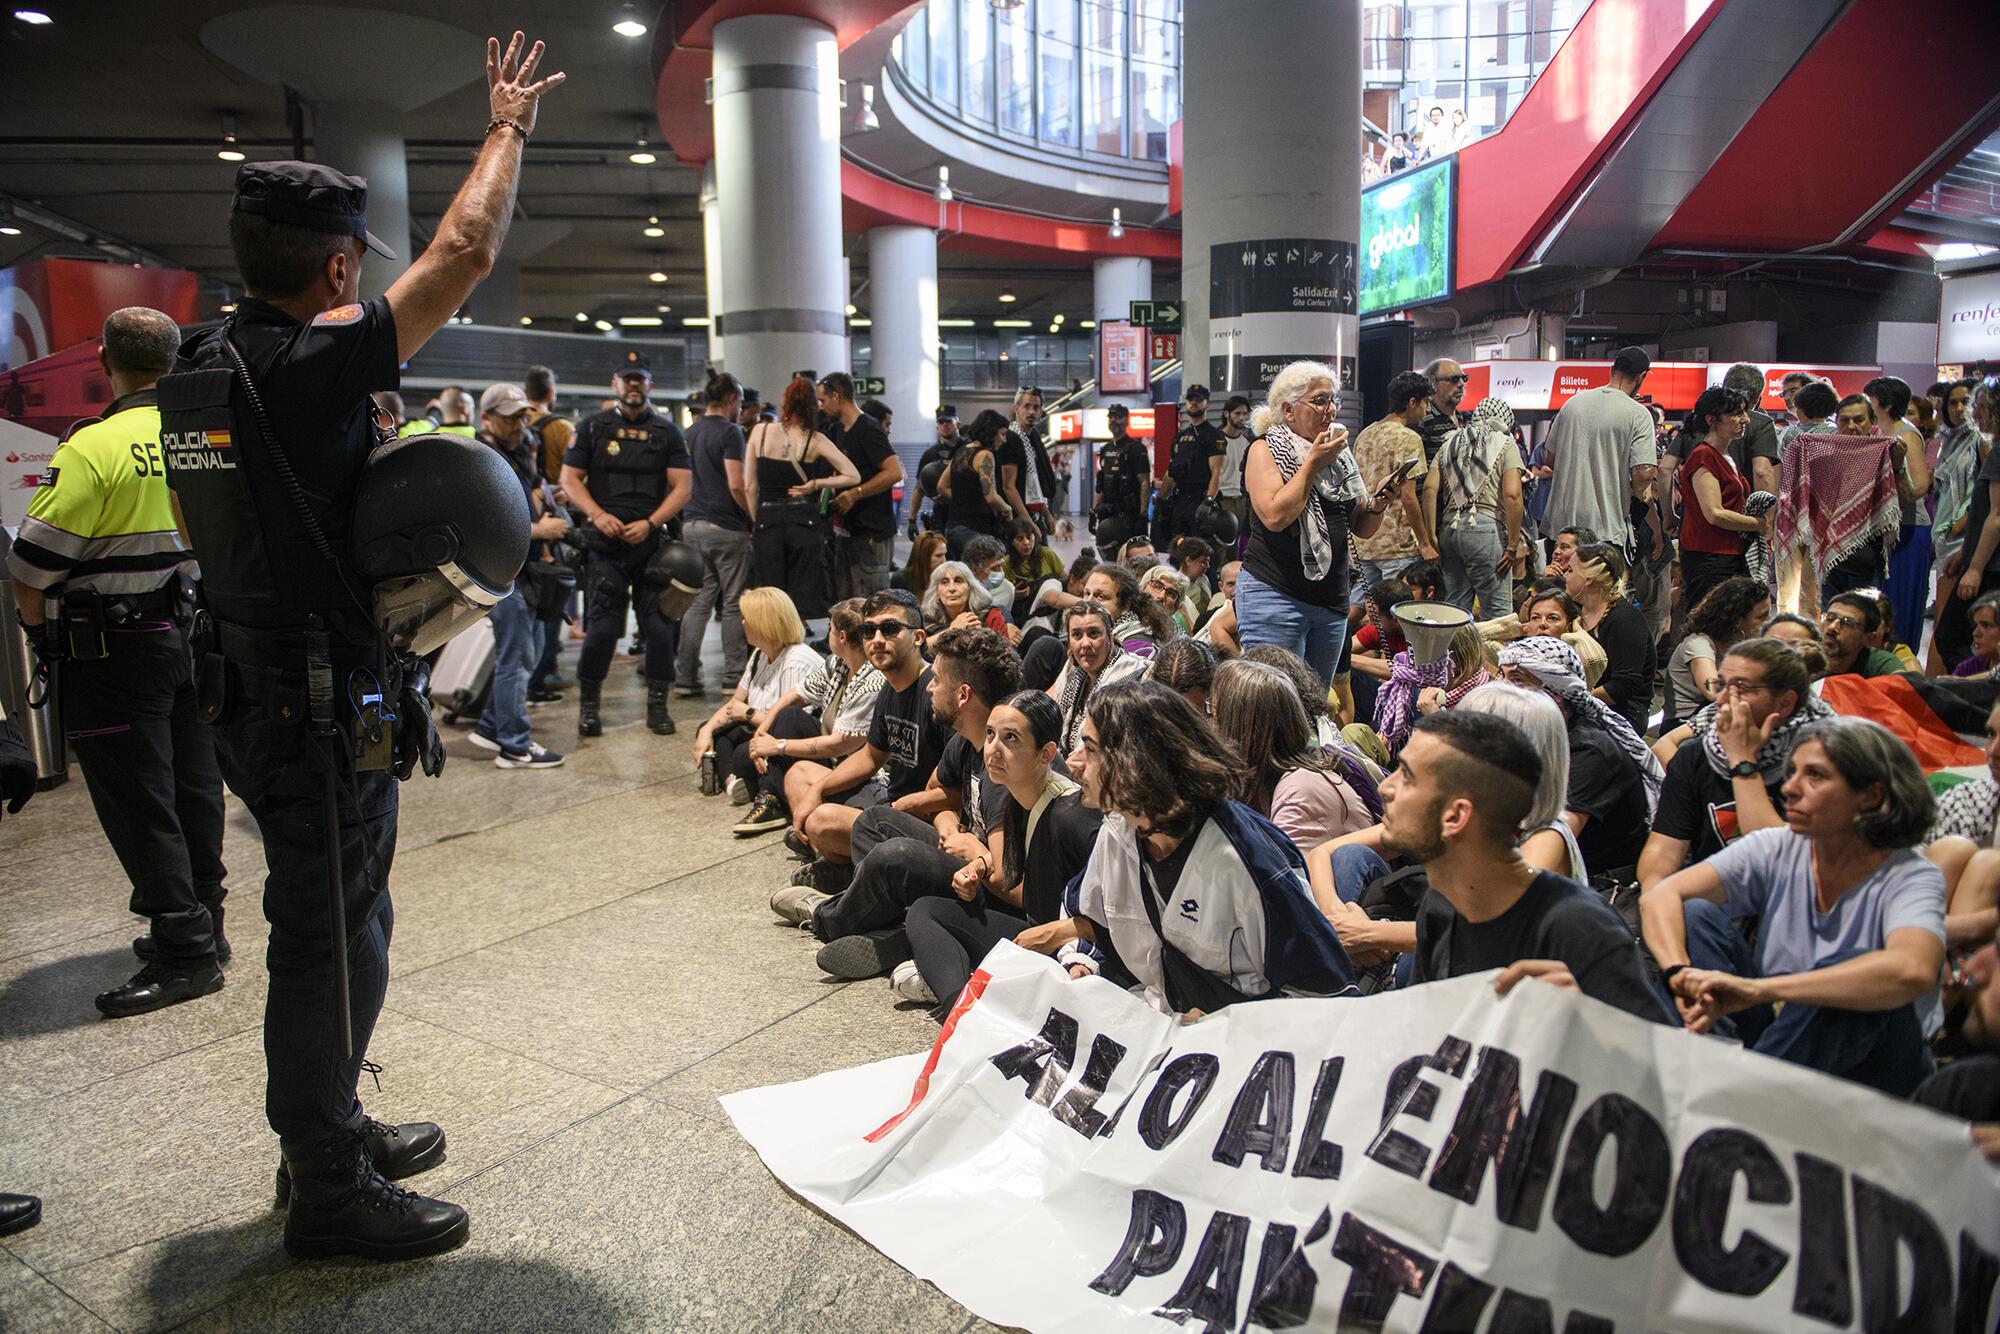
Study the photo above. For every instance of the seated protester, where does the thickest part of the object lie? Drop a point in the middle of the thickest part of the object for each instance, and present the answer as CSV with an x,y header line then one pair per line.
x,y
1196,900
902,855
1095,660
1139,624
826,719
1962,842
1850,918
1549,611
1414,688
957,600
1312,691
1137,548
1378,642
1186,666
1312,792
779,664
1191,557
1795,632
1463,790
986,557
1734,609
1885,637
1614,781
1793,628
895,766
1040,841
1985,659
1426,580
1728,781
1225,594
1567,543
925,553
1344,867
1217,625
1033,569
1168,587
1850,624
1969,1088
1596,580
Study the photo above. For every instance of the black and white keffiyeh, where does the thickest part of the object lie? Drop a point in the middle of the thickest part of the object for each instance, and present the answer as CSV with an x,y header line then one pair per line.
x,y
1337,484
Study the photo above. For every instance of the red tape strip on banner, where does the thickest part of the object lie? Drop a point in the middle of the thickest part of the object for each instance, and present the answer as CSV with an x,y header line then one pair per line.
x,y
974,987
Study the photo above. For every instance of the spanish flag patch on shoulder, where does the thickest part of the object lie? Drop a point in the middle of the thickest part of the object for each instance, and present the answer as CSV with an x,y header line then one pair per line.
x,y
339,315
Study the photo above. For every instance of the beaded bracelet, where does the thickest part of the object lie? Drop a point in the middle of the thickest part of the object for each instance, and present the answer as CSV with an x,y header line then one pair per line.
x,y
510,123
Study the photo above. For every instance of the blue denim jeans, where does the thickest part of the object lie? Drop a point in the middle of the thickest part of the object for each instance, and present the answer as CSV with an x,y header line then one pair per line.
x,y
517,643
1266,616
1883,1049
1470,550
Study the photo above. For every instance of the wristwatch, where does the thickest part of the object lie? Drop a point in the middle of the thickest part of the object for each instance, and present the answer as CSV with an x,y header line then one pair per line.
x,y
1743,769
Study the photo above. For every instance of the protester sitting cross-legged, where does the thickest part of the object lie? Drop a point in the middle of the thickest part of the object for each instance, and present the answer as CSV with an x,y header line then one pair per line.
x,y
908,850
1596,579
779,665
1311,792
1849,622
1138,622
1188,667
1733,609
1195,899
1096,660
955,600
824,720
1850,918
1034,570
904,738
1014,890
1727,781
1614,781
1169,588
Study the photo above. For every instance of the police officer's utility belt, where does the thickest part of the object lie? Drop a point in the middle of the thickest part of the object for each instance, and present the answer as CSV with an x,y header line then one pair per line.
x,y
87,616
240,670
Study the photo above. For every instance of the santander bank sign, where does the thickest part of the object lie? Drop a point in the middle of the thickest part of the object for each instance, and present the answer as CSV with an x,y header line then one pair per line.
x,y
1969,319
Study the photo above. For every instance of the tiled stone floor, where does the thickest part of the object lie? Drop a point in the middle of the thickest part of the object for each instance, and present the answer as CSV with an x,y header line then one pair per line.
x,y
583,962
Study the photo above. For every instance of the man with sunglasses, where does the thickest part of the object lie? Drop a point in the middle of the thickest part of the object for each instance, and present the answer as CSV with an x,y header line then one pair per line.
x,y
904,743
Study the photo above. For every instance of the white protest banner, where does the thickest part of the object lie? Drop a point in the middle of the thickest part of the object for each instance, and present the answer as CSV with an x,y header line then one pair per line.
x,y
1434,1159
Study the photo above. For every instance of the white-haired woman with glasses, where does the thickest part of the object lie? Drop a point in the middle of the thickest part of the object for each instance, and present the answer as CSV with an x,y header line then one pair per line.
x,y
1306,496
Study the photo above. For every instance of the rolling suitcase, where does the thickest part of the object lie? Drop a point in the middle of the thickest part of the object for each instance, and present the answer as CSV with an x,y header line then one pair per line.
x,y
463,673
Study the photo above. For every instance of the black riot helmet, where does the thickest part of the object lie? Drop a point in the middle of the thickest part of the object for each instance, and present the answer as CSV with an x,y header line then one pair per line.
x,y
1213,521
441,529
928,476
674,571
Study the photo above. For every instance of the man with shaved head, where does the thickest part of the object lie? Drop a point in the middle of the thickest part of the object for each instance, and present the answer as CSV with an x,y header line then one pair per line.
x,y
100,576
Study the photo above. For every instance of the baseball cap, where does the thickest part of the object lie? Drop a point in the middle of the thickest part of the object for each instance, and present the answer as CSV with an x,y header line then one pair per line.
x,y
1199,391
308,195
947,413
504,400
1631,361
634,363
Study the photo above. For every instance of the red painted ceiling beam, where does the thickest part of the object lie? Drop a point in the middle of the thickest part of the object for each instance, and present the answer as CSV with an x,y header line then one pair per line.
x,y
872,201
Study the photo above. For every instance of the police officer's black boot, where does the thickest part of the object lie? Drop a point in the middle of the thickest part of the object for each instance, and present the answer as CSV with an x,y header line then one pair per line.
x,y
397,1151
657,717
341,1205
158,985
587,721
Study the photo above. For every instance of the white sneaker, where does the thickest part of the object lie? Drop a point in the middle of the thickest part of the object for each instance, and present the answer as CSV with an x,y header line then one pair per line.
x,y
483,741
794,904
909,984
731,786
536,756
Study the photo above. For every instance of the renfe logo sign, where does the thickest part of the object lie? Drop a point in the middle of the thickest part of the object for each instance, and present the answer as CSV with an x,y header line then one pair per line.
x,y
1969,319
1406,239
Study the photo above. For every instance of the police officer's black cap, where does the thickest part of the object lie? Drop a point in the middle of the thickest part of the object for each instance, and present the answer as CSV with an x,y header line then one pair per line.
x,y
308,195
633,363
751,398
1195,391
947,413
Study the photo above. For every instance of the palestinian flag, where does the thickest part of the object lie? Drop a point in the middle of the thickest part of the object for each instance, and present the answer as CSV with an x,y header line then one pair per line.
x,y
1942,719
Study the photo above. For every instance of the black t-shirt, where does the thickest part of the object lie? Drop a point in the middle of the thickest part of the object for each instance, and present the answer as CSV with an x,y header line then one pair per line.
x,y
1555,918
981,800
1981,506
1758,441
1057,854
625,460
1605,784
1698,805
1628,662
710,442
906,731
1273,556
1122,469
1165,874
867,448
1968,1088
1193,448
1435,429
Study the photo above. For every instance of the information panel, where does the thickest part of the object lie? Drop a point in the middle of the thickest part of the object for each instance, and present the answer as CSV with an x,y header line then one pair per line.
x,y
1406,239
1121,358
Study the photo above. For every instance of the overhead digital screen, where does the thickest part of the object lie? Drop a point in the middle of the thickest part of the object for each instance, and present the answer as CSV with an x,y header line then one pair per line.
x,y
1406,233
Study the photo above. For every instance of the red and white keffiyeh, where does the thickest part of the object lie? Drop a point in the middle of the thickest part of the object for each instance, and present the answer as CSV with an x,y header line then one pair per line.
x,y
1838,494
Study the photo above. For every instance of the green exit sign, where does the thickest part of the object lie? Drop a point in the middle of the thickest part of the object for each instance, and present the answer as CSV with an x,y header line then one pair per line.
x,y
1159,316
868,386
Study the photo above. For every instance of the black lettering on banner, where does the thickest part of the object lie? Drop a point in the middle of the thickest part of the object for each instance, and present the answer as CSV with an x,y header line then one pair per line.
x,y
1078,1108
1887,1227
1639,1181
1458,1303
1260,1120
1978,1270
1384,1269
1208,1293
1152,1244
1491,1126
1286,1281
1822,1288
1196,1072
1518,1313
1158,1059
1709,1170
1319,1157
1392,1148
1042,1062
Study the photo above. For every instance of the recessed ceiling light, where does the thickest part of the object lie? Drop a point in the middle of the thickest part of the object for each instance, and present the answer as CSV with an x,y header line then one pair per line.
x,y
850,308
863,323
642,158
663,309
640,321
629,24
694,321
1013,324
656,276
653,227
9,229
957,324
229,152
34,18
527,320
582,318
605,325
1007,296
1086,324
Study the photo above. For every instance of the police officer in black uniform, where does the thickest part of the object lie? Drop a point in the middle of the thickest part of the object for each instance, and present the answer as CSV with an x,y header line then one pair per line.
x,y
1124,478
629,473
1194,472
267,430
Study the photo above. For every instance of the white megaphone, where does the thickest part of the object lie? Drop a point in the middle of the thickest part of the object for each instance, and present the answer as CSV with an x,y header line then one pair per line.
x,y
1429,626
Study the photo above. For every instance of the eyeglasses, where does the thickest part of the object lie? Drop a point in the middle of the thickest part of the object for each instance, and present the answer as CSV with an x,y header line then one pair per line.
x,y
888,629
1845,622
1324,402
1459,378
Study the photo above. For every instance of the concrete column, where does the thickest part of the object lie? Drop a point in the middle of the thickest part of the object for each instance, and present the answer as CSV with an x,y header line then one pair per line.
x,y
777,176
1258,186
1116,282
711,249
366,139
903,302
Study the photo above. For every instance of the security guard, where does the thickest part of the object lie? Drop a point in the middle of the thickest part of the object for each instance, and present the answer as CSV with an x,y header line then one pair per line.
x,y
629,474
1194,472
1124,481
100,544
268,431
